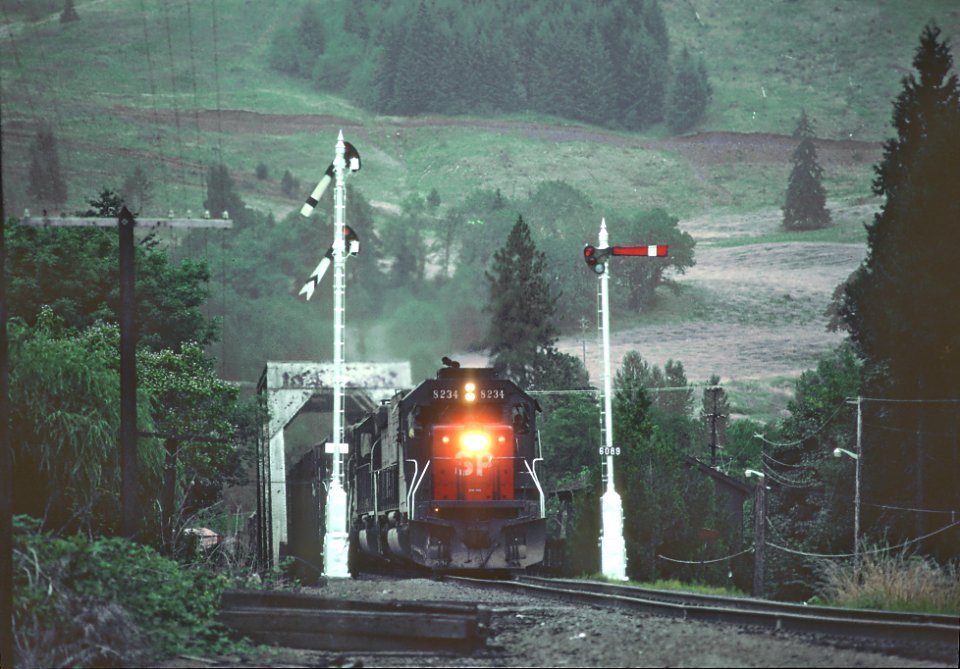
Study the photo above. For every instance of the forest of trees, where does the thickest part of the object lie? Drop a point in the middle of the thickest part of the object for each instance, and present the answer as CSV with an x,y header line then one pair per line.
x,y
603,63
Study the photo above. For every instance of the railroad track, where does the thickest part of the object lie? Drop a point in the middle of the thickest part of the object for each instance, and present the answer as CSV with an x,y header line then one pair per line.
x,y
316,622
912,634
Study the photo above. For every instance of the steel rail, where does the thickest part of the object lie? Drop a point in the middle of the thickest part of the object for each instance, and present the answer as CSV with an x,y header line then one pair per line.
x,y
905,634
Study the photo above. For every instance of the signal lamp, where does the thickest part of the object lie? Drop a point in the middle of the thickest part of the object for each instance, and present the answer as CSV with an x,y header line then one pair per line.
x,y
476,441
445,439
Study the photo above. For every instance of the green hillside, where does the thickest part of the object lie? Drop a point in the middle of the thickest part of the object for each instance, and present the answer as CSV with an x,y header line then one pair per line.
x,y
125,83
173,87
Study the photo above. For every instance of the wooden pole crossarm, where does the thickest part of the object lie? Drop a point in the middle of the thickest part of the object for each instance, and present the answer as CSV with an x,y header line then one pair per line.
x,y
98,222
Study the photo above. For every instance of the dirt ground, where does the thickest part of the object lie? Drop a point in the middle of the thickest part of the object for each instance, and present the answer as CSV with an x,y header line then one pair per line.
x,y
762,314
543,633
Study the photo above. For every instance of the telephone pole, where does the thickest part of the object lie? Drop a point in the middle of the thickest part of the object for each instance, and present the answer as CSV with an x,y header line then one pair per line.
x,y
126,222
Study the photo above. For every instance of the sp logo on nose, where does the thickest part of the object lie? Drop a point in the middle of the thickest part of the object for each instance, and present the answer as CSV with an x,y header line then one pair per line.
x,y
473,465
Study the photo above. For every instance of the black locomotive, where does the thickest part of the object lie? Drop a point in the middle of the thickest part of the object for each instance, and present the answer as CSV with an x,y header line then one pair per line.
x,y
444,476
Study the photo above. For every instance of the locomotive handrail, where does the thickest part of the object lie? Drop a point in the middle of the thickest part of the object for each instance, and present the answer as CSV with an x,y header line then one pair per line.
x,y
411,497
536,482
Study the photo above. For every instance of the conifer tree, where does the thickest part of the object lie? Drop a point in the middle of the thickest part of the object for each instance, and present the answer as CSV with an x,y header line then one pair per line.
x,y
46,184
689,94
521,306
806,203
69,12
900,304
137,190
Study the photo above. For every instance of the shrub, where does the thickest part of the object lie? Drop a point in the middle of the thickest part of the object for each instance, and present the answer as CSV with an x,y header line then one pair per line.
x,y
894,581
108,601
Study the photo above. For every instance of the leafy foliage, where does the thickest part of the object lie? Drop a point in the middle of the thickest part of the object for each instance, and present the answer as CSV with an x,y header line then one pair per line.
x,y
810,502
637,280
104,602
64,413
76,272
806,204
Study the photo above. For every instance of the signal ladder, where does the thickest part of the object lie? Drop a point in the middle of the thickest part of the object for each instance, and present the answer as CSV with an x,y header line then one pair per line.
x,y
603,413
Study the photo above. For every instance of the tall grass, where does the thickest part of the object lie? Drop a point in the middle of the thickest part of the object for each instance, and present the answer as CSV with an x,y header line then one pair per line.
x,y
893,581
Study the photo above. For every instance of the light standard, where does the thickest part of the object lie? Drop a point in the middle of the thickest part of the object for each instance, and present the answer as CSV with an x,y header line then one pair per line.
x,y
837,452
760,530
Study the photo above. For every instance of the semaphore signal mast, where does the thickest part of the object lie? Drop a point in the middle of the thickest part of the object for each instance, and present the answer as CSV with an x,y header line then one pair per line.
x,y
613,553
336,538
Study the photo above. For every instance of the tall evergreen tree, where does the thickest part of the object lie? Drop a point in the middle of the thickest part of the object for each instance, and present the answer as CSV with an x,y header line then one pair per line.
x,y
806,203
895,302
521,305
689,94
899,305
222,197
137,190
69,12
46,184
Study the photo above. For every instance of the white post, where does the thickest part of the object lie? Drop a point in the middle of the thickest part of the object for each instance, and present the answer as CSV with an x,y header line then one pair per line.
x,y
856,500
613,553
336,539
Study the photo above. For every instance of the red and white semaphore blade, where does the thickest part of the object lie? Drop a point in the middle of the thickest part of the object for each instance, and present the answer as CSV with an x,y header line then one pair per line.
x,y
653,250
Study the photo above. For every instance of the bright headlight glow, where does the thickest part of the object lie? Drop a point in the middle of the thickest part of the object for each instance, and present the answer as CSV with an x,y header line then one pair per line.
x,y
476,441
470,392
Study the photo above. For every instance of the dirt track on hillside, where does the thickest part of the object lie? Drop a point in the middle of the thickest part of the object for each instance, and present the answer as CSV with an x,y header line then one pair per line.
x,y
703,148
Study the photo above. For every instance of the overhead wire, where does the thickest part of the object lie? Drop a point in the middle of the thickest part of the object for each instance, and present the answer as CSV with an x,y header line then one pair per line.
x,y
158,134
176,105
196,99
873,551
798,442
721,559
223,250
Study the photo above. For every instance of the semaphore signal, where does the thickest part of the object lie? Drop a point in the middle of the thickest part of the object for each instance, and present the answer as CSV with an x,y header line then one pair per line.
x,y
596,257
613,554
352,158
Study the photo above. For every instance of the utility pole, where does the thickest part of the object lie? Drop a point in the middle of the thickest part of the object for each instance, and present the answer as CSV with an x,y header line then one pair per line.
x,y
613,554
714,416
760,530
7,658
126,223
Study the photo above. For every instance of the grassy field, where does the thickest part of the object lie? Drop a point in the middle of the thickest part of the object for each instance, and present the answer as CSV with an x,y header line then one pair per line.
x,y
175,87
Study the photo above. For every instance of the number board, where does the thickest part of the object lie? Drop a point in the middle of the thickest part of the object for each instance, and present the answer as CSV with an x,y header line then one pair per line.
x,y
480,393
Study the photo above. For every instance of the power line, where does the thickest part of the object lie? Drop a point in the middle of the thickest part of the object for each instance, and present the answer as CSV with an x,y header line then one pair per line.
x,y
804,438
196,100
216,81
901,401
912,510
722,559
158,136
784,464
176,107
779,479
871,551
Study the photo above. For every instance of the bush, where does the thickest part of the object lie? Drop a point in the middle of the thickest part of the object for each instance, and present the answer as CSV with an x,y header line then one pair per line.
x,y
898,582
108,601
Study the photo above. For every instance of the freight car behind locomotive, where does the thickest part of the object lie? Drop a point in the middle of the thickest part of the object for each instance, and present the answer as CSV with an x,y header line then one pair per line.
x,y
444,476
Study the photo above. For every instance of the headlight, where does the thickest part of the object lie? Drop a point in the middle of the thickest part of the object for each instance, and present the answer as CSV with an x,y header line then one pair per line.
x,y
476,441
